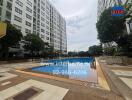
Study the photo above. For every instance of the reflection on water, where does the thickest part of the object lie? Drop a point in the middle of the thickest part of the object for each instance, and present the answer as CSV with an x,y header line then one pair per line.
x,y
93,65
75,68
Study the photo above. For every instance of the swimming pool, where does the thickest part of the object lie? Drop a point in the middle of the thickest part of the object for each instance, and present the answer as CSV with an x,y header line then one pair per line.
x,y
72,68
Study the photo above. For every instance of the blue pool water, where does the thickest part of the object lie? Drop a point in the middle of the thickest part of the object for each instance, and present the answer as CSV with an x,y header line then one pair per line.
x,y
72,68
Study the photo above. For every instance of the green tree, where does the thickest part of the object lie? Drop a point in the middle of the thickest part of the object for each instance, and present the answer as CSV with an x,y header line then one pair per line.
x,y
48,50
95,50
13,36
110,51
110,28
34,44
125,43
83,54
72,54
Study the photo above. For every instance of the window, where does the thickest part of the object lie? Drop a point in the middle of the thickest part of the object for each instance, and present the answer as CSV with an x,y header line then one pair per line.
x,y
29,3
39,11
47,38
47,32
43,13
34,27
8,15
38,16
18,27
42,36
19,3
17,18
47,17
42,8
42,24
9,6
18,10
38,23
28,16
34,20
42,2
34,14
28,9
47,12
38,4
1,2
27,31
35,1
47,27
47,22
35,8
42,19
42,30
28,23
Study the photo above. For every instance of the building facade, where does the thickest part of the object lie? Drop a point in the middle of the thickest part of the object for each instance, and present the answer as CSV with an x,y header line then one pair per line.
x,y
39,17
5,10
104,4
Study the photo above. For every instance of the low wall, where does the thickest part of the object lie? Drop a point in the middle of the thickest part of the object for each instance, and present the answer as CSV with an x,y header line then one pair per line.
x,y
15,61
121,60
130,61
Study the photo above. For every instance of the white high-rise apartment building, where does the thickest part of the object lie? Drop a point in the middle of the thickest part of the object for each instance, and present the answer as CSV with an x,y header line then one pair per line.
x,y
104,4
36,16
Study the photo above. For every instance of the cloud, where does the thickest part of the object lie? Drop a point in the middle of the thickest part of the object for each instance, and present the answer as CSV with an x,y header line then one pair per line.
x,y
81,16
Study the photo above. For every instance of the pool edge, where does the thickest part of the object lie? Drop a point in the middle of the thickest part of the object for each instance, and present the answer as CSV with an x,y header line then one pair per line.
x,y
78,82
102,81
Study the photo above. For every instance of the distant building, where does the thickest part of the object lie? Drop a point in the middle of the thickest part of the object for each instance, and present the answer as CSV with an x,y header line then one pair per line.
x,y
36,16
104,4
129,21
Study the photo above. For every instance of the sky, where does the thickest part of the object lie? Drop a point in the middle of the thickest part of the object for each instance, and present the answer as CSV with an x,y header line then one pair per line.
x,y
81,17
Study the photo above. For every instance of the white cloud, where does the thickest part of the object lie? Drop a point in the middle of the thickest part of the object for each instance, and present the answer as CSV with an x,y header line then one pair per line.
x,y
81,16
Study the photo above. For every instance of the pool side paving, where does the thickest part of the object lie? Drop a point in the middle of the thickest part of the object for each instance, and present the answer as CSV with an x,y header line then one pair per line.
x,y
71,89
119,78
48,92
77,92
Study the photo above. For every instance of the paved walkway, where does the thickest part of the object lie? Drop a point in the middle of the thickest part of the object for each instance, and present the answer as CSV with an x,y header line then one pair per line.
x,y
49,92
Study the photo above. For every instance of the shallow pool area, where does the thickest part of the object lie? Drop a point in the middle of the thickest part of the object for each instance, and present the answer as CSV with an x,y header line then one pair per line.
x,y
72,68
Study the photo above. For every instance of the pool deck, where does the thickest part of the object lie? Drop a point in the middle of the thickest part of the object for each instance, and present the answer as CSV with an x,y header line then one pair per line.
x,y
11,79
119,78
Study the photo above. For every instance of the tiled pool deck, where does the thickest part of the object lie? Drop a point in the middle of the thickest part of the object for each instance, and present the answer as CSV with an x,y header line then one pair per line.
x,y
54,89
49,92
